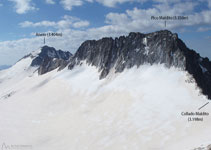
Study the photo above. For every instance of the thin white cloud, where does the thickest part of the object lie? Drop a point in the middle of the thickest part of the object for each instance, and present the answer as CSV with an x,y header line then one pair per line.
x,y
203,29
50,1
66,22
38,24
112,3
68,4
23,6
80,24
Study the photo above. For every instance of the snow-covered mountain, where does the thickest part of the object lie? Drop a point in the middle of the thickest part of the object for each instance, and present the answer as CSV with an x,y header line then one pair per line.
x,y
125,93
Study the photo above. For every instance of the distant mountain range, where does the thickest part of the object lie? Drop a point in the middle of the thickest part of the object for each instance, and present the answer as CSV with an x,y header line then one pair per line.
x,y
2,67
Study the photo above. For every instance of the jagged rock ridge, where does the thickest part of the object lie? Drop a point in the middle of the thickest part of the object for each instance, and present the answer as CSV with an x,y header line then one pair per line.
x,y
135,49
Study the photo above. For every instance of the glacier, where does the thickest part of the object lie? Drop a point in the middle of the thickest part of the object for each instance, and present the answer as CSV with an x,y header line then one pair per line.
x,y
139,108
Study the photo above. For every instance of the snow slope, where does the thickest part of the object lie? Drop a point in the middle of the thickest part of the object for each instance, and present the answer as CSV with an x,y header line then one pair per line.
x,y
138,109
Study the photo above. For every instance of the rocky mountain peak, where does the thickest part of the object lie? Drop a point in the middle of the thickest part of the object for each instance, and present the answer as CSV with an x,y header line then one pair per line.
x,y
136,49
49,59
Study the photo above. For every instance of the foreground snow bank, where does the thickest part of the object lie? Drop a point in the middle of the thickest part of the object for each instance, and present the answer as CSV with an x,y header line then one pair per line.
x,y
136,109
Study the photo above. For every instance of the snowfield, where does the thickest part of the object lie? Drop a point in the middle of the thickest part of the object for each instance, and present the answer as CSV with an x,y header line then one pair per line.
x,y
138,109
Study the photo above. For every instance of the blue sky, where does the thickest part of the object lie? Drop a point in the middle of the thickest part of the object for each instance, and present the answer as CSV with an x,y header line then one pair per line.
x,y
79,20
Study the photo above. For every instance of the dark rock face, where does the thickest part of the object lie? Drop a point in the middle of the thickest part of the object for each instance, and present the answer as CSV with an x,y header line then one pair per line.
x,y
199,68
137,49
49,59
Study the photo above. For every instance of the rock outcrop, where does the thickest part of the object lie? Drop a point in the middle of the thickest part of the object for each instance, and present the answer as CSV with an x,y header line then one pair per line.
x,y
49,59
136,49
